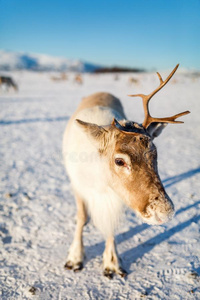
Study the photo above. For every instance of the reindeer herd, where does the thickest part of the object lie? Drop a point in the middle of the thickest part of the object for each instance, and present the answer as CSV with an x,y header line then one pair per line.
x,y
7,83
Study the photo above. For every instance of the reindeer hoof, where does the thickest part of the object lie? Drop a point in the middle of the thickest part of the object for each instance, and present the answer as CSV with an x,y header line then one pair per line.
x,y
68,265
122,272
108,273
71,266
78,267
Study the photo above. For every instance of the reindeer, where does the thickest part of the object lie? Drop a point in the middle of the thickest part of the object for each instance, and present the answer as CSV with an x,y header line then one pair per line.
x,y
8,82
132,80
61,77
112,162
78,79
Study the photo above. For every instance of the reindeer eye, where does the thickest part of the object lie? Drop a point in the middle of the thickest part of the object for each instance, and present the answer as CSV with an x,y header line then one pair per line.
x,y
120,162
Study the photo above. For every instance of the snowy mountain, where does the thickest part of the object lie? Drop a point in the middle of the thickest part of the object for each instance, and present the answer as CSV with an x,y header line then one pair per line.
x,y
41,62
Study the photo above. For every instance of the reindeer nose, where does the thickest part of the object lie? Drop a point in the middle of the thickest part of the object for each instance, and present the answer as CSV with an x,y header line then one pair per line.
x,y
160,210
164,211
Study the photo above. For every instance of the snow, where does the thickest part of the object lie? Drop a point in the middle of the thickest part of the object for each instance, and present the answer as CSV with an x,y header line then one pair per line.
x,y
41,62
37,207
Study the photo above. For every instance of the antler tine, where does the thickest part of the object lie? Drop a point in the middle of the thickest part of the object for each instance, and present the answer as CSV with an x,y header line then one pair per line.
x,y
146,98
172,119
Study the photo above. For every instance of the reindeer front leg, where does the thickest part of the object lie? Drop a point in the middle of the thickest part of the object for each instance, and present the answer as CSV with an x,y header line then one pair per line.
x,y
76,251
111,261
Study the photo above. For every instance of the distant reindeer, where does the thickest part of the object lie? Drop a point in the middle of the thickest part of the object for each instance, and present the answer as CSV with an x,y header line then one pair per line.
x,y
133,80
78,79
116,77
8,82
174,81
112,163
61,77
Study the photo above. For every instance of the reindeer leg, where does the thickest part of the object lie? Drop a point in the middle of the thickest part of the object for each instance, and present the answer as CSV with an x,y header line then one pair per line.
x,y
111,261
76,251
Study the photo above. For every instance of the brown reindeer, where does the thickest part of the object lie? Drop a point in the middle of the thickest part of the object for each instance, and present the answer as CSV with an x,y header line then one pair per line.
x,y
78,79
114,163
133,80
8,82
61,77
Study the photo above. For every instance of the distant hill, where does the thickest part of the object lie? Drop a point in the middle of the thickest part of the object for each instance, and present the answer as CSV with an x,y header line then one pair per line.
x,y
117,70
40,62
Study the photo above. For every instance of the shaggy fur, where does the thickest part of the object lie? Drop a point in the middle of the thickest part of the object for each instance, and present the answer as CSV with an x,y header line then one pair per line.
x,y
91,147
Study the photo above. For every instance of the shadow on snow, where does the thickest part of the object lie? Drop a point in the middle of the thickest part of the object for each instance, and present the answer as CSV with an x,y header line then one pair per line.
x,y
175,179
139,251
33,120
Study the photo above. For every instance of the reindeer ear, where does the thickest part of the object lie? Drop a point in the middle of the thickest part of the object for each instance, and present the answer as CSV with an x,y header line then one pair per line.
x,y
155,129
92,129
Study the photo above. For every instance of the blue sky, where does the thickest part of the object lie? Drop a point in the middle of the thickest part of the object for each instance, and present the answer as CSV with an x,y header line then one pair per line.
x,y
138,33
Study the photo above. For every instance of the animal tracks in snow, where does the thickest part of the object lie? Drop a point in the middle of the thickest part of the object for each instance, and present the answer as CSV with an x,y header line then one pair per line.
x,y
37,209
177,274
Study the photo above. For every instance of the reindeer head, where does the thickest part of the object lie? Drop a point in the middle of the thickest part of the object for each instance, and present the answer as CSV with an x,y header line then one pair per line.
x,y
130,160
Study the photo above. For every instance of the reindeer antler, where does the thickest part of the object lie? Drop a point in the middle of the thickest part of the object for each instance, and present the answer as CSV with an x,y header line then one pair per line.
x,y
146,98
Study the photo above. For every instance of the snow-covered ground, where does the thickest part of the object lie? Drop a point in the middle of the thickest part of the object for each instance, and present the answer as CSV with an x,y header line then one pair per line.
x,y
37,206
